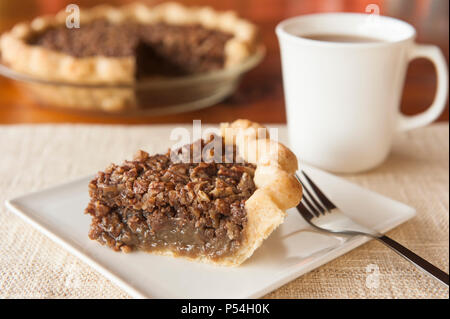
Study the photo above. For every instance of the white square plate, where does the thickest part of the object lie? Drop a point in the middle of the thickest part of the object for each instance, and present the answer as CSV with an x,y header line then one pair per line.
x,y
292,250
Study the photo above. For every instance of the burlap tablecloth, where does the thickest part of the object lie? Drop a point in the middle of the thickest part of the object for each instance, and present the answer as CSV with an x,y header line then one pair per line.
x,y
32,266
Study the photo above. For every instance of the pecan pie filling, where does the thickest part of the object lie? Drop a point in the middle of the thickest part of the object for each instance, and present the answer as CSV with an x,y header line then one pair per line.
x,y
159,49
156,203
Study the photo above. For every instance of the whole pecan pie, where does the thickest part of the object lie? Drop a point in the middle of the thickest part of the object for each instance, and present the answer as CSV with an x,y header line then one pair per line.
x,y
211,201
119,56
121,45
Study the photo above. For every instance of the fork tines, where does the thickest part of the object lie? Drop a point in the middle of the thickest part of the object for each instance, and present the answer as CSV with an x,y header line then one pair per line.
x,y
314,201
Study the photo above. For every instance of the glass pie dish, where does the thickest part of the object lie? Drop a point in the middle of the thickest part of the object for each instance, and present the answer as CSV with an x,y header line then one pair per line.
x,y
149,97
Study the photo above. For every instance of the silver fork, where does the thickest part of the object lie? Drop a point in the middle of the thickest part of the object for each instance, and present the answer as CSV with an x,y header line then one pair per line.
x,y
323,215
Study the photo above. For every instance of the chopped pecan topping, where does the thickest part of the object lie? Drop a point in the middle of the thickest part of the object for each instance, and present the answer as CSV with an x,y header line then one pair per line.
x,y
159,48
152,202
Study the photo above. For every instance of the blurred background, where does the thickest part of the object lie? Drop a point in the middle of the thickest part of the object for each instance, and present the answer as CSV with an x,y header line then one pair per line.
x,y
260,95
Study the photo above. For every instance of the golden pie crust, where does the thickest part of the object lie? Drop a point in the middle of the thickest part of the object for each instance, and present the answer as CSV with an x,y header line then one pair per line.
x,y
277,188
57,66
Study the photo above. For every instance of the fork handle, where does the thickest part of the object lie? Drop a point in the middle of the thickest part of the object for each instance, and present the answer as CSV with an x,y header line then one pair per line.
x,y
418,261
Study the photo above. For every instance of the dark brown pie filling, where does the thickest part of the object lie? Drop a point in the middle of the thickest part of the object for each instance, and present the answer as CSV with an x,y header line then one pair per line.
x,y
159,49
154,203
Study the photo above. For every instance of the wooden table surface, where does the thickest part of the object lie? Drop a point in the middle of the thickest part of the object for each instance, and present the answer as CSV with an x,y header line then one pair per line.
x,y
260,95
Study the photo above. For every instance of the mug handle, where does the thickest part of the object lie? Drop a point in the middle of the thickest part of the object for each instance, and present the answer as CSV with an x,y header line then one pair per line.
x,y
434,54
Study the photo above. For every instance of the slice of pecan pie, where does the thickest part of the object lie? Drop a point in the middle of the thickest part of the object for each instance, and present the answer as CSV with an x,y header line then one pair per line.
x,y
212,201
121,45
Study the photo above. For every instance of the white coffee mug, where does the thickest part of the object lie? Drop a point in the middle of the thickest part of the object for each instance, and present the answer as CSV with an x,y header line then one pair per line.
x,y
343,99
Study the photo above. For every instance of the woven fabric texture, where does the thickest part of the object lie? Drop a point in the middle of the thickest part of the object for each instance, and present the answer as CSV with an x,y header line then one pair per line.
x,y
38,156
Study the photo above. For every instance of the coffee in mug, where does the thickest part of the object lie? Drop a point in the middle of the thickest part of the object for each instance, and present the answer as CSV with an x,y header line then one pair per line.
x,y
343,76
